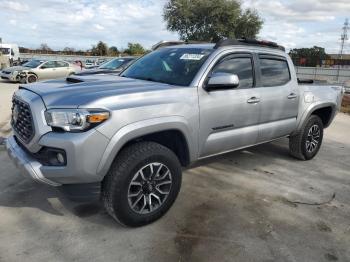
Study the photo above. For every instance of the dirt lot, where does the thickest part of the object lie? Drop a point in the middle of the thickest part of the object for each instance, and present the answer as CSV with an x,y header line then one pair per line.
x,y
244,206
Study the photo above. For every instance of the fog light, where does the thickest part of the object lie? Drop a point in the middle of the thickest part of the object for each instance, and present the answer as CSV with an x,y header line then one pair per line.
x,y
60,158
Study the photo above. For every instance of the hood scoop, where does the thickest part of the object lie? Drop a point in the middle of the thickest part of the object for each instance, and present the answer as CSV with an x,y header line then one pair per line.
x,y
73,80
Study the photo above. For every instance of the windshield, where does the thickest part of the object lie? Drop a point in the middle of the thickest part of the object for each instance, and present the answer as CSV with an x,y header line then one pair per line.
x,y
114,64
175,66
32,63
5,51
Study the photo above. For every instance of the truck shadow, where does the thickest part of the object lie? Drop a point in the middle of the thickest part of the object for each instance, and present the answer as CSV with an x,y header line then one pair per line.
x,y
261,159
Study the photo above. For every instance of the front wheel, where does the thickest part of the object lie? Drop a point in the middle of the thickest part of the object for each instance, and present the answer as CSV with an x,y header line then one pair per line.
x,y
142,184
306,144
31,78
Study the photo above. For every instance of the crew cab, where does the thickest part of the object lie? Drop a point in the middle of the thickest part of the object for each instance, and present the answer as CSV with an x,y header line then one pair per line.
x,y
126,138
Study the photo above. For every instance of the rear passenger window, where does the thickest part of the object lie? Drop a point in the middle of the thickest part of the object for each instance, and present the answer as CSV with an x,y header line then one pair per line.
x,y
240,66
274,72
61,64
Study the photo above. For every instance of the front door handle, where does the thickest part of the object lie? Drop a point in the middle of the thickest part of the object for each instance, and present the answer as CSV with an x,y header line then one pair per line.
x,y
253,100
292,96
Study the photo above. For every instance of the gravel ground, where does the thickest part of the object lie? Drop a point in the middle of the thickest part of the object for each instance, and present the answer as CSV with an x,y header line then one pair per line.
x,y
257,204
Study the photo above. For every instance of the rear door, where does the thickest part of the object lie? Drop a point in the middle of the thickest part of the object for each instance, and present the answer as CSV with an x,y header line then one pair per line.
x,y
229,118
279,97
62,69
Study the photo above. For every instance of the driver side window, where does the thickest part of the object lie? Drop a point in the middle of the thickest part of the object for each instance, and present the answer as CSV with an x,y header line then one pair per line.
x,y
240,66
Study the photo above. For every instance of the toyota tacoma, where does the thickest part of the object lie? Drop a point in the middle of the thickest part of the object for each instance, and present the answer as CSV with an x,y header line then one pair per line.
x,y
125,139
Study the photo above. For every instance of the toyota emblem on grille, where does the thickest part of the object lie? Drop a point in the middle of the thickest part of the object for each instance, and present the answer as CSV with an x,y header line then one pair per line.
x,y
15,114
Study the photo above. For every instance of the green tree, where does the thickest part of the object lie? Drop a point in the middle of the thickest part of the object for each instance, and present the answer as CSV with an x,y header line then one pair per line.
x,y
113,51
308,56
135,49
44,47
208,20
101,49
69,50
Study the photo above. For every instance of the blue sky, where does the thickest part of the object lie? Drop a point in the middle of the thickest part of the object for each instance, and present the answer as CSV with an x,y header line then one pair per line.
x,y
81,23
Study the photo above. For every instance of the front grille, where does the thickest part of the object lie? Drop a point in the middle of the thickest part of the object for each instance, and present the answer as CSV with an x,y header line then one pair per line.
x,y
7,73
22,120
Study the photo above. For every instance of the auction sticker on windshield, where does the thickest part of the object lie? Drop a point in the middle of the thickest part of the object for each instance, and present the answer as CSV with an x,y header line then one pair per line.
x,y
192,56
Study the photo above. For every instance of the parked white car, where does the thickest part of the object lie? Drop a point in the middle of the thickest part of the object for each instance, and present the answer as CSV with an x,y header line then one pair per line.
x,y
37,70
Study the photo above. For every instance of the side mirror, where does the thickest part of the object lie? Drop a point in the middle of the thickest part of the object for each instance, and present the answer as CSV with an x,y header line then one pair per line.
x,y
222,81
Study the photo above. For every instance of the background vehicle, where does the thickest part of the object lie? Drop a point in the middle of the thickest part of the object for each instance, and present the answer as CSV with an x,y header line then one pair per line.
x,y
115,65
37,70
11,51
89,64
127,137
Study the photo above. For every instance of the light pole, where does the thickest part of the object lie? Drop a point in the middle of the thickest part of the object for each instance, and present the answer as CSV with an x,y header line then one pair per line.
x,y
343,38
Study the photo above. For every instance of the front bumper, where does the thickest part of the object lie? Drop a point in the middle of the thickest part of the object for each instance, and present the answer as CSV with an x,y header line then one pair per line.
x,y
27,165
11,77
83,151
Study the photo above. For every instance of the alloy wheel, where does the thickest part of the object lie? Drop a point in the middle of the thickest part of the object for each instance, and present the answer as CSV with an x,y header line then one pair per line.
x,y
149,188
313,138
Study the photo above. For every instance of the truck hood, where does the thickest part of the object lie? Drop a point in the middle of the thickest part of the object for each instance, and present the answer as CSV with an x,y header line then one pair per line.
x,y
88,89
98,71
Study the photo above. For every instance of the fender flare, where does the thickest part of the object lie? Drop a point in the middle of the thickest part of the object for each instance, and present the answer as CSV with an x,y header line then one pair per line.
x,y
141,128
312,108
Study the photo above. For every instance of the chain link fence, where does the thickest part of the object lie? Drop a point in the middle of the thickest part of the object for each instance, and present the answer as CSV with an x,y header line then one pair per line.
x,y
329,75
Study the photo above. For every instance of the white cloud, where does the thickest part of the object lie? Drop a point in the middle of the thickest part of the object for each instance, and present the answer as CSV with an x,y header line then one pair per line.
x,y
15,6
302,23
81,23
13,22
98,27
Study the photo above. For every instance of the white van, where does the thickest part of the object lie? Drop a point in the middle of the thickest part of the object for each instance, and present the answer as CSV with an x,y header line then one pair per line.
x,y
11,51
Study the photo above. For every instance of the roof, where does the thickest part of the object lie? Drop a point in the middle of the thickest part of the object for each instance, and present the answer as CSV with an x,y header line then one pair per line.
x,y
222,43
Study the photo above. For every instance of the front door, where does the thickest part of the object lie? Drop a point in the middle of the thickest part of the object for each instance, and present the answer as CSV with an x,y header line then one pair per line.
x,y
229,118
47,70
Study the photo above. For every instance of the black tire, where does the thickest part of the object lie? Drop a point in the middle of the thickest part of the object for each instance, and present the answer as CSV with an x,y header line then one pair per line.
x,y
117,183
299,143
32,78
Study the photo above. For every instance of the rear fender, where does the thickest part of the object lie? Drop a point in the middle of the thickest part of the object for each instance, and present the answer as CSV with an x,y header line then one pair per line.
x,y
311,109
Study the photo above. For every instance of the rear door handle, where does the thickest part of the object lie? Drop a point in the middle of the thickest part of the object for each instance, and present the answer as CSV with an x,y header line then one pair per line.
x,y
253,100
292,96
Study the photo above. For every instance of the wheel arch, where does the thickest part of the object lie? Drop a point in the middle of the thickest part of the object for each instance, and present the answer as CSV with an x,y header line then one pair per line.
x,y
32,73
172,134
326,111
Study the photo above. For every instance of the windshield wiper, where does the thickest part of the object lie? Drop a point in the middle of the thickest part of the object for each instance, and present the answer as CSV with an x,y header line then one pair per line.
x,y
149,79
146,79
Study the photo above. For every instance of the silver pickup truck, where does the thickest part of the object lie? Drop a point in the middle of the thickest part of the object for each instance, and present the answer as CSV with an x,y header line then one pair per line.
x,y
126,138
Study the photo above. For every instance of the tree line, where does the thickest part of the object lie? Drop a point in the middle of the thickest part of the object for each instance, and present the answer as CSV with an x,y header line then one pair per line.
x,y
100,49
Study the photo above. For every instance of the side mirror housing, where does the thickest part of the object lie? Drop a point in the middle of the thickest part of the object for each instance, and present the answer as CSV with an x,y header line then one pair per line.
x,y
222,81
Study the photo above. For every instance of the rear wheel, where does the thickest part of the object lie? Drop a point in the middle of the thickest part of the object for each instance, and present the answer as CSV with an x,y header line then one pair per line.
x,y
142,184
306,144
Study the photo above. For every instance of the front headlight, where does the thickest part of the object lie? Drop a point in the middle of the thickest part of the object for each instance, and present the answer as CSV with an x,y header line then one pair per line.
x,y
75,120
